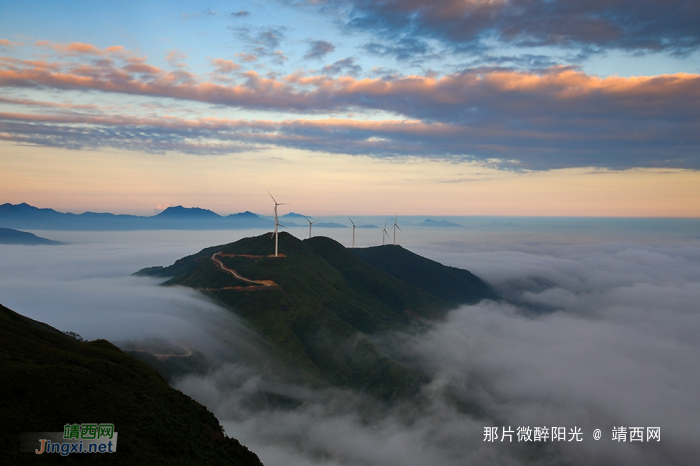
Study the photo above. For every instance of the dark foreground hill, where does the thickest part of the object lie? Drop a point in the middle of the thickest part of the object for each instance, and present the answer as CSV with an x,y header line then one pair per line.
x,y
10,236
319,302
49,379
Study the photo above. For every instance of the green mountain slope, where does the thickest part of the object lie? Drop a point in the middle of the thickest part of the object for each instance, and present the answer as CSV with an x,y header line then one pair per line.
x,y
449,283
316,304
49,380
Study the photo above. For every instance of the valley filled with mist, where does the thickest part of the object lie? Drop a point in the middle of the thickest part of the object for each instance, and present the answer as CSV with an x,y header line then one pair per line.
x,y
597,327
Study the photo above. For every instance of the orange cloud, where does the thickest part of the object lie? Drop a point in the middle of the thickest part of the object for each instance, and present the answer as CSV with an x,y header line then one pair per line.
x,y
556,118
224,66
48,104
174,57
80,48
414,96
247,56
9,43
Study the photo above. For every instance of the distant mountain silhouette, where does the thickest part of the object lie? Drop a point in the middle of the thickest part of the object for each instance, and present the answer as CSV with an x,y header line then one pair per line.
x,y
24,216
187,212
294,215
10,236
439,223
247,214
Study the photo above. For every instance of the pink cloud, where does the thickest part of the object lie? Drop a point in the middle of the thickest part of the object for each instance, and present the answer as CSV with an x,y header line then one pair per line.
x,y
247,57
175,57
9,43
224,66
484,113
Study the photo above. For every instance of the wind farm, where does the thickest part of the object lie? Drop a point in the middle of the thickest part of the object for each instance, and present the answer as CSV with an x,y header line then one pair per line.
x,y
314,220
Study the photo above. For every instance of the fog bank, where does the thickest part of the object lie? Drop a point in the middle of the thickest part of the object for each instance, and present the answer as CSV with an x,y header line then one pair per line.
x,y
595,331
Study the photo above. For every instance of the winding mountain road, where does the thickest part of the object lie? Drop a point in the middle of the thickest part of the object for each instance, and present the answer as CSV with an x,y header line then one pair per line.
x,y
217,261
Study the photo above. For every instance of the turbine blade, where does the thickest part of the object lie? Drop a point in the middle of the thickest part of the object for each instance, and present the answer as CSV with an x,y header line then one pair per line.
x,y
272,197
399,228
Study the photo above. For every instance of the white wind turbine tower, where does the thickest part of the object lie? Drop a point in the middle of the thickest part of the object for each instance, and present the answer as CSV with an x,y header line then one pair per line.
x,y
395,227
384,232
353,232
310,223
277,223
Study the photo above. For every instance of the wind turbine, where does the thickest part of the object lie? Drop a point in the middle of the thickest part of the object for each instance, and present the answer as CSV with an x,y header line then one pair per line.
x,y
353,232
277,223
310,223
395,227
384,232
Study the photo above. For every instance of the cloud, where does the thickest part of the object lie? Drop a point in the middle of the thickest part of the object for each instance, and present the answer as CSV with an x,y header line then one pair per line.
x,y
278,57
345,66
9,44
80,48
318,49
594,333
552,118
37,103
94,295
224,66
406,48
246,57
175,57
615,24
262,43
266,38
240,14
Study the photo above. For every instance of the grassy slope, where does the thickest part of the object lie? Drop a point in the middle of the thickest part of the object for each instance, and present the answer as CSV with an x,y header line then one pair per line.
x,y
49,380
326,300
450,283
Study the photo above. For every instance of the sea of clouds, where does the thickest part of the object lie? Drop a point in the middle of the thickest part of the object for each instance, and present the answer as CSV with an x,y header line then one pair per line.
x,y
597,329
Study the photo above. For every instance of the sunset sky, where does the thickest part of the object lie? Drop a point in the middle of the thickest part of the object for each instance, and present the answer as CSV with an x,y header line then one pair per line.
x,y
454,107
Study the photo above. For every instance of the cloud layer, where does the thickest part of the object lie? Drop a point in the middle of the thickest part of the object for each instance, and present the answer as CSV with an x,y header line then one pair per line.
x,y
558,117
595,333
668,26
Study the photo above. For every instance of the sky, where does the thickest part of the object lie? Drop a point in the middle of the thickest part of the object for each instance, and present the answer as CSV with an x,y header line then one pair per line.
x,y
456,107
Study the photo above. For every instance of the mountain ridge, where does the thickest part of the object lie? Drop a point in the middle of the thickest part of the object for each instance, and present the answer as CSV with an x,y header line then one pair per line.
x,y
25,216
314,302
